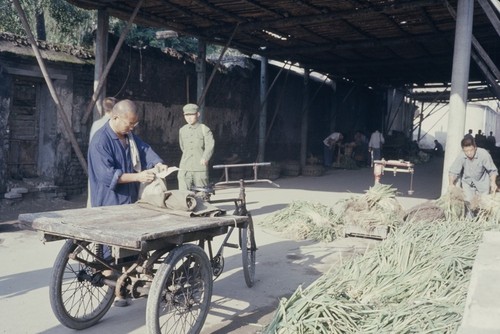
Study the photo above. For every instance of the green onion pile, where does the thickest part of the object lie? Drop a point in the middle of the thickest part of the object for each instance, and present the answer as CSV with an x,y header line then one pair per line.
x,y
415,281
314,221
307,220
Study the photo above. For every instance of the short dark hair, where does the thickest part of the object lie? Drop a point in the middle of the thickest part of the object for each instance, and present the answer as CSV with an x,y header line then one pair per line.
x,y
108,103
467,141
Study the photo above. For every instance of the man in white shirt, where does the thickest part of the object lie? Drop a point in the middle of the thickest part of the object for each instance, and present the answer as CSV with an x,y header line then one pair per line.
x,y
375,145
330,144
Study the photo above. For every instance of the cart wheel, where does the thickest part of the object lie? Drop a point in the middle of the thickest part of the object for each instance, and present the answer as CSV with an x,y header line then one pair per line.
x,y
248,249
179,298
78,295
155,260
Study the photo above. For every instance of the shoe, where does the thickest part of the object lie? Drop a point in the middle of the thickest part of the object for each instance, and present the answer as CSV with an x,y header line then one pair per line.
x,y
121,302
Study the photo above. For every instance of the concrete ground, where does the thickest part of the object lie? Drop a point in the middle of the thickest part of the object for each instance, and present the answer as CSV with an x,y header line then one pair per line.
x,y
282,264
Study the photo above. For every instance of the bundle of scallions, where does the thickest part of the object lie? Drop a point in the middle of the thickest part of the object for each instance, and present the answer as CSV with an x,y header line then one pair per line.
x,y
415,281
315,221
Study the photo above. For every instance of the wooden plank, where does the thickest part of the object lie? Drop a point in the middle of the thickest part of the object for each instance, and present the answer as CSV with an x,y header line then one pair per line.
x,y
129,226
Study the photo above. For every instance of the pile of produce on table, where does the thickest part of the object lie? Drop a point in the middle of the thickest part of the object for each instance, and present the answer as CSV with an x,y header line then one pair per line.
x,y
415,281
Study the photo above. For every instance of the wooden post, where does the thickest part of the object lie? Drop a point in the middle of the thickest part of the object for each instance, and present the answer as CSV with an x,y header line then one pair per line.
x,y
201,76
101,56
305,119
112,59
263,110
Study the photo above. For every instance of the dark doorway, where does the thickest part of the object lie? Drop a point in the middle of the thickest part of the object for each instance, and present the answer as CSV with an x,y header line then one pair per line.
x,y
23,129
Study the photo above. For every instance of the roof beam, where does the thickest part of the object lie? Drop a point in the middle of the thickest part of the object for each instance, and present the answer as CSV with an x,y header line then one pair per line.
x,y
294,21
359,45
490,13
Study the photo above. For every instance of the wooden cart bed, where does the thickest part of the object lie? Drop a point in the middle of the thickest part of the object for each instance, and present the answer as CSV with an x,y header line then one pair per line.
x,y
131,226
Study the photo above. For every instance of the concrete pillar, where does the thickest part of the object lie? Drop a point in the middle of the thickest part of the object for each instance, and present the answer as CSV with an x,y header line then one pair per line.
x,y
459,86
101,58
201,75
263,110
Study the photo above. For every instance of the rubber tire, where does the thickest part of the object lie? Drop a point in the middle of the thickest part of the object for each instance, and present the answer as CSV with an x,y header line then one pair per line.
x,y
248,251
173,265
97,301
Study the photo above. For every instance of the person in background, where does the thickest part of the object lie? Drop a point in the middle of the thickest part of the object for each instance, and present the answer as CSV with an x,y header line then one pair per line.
x,y
197,146
438,148
330,144
475,169
107,105
469,134
492,142
118,160
375,145
480,139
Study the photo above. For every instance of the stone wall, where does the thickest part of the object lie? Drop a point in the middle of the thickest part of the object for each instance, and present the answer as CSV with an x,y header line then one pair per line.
x,y
4,135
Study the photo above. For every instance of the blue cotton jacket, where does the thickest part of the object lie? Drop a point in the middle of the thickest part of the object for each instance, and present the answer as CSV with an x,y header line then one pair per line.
x,y
108,159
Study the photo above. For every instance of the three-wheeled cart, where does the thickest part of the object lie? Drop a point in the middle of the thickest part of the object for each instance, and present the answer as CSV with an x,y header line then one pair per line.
x,y
117,252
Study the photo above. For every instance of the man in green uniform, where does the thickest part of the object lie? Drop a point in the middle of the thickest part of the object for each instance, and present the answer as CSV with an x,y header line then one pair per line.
x,y
197,146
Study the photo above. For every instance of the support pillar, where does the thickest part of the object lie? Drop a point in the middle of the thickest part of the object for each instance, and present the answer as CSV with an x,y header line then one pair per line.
x,y
263,110
305,119
101,58
201,75
459,85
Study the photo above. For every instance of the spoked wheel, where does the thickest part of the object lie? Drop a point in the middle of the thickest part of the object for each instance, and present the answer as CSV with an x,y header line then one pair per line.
x,y
155,260
181,291
248,250
78,295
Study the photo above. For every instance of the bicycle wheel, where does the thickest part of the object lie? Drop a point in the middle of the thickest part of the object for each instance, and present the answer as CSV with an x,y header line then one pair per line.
x,y
78,295
179,298
248,250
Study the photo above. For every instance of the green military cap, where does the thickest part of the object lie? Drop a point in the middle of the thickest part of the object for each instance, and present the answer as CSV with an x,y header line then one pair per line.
x,y
190,108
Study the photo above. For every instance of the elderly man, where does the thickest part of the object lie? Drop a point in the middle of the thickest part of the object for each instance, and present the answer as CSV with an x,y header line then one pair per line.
x,y
119,160
197,146
476,170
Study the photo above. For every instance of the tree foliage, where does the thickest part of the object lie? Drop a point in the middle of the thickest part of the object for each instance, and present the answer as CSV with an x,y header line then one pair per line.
x,y
63,22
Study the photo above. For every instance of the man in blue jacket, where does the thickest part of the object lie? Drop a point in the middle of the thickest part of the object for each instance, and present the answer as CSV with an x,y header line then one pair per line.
x,y
118,160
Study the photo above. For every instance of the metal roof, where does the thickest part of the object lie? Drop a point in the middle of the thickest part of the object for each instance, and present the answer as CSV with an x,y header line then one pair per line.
x,y
372,42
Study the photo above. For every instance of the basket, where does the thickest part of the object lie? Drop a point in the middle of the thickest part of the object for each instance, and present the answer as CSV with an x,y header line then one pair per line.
x,y
290,168
271,172
313,170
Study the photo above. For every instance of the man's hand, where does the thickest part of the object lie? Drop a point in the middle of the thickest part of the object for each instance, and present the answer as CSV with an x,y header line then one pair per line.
x,y
203,162
493,187
146,176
